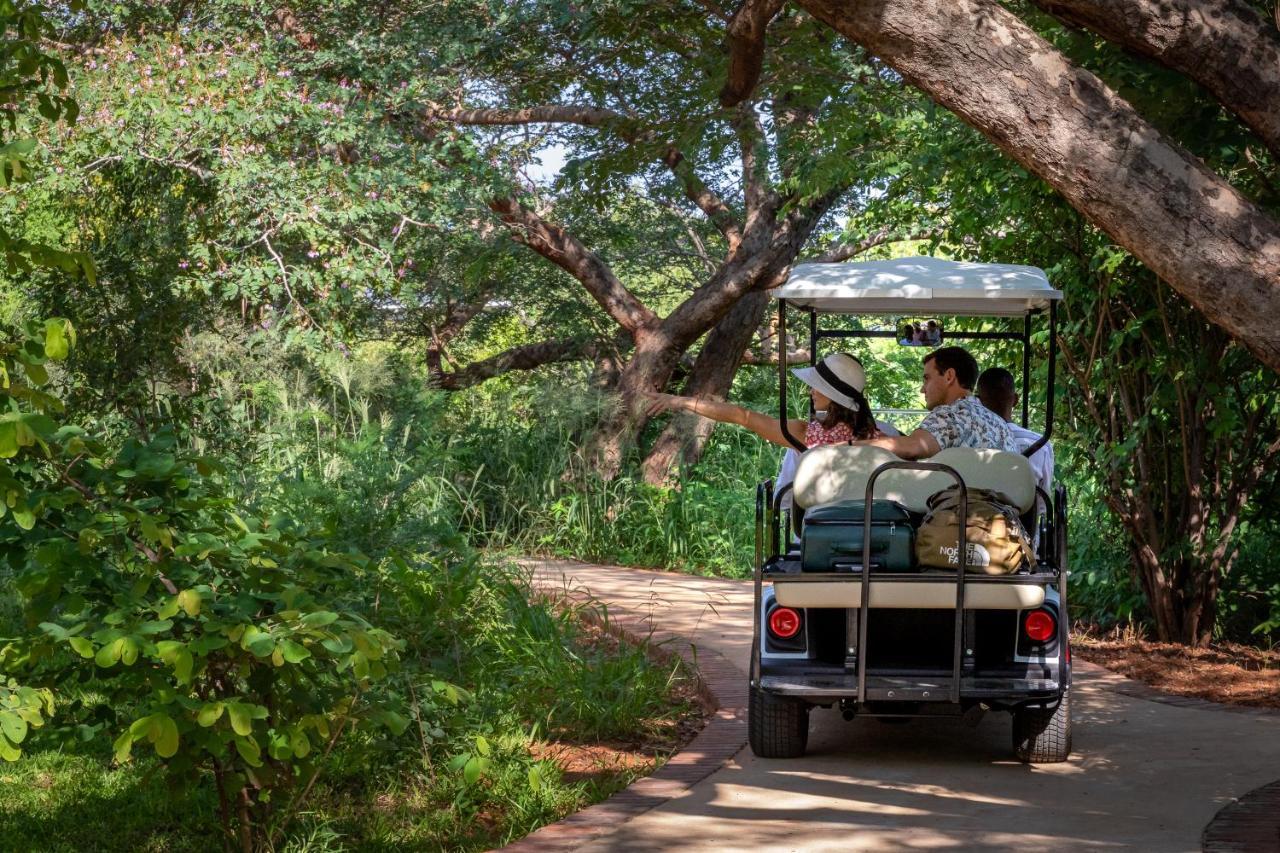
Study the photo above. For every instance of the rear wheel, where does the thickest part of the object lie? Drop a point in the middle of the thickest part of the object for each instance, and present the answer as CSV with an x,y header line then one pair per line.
x,y
1043,735
778,726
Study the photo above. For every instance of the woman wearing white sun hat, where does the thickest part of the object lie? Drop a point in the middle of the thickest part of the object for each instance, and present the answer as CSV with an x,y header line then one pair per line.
x,y
836,385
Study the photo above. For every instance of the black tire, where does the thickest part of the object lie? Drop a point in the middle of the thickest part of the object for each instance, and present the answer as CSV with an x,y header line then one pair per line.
x,y
777,726
1043,735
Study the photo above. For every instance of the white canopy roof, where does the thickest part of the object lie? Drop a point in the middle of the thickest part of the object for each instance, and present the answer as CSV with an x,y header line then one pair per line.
x,y
920,286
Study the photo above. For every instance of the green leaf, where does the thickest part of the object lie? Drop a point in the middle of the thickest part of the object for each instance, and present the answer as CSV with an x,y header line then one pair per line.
x,y
123,746
56,344
167,739
210,714
169,609
482,745
36,373
109,654
9,752
128,650
319,619
261,646
241,722
13,726
182,667
8,439
293,652
25,518
82,646
301,745
189,601
472,770
249,751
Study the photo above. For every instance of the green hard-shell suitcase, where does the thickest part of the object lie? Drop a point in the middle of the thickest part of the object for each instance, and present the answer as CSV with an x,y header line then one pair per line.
x,y
832,538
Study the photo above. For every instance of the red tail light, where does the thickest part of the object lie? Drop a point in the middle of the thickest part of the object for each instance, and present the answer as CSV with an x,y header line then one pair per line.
x,y
1040,625
784,623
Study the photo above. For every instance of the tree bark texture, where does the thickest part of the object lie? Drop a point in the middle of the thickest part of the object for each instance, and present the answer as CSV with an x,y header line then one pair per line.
x,y
1227,46
1188,225
685,437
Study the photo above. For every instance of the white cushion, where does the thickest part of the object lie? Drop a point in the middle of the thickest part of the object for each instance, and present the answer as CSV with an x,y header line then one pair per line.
x,y
837,472
997,470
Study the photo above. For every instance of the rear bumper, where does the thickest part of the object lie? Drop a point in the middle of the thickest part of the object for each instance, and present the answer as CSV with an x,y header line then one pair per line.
x,y
911,689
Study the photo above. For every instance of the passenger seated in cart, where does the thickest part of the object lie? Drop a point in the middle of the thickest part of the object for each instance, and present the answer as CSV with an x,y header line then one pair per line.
x,y
956,418
836,387
995,390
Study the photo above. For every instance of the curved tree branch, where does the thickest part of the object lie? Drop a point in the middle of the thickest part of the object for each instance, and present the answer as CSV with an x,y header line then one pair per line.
x,y
525,357
567,252
1192,228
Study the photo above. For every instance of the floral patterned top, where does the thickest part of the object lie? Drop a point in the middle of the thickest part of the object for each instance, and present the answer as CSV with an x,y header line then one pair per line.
x,y
816,435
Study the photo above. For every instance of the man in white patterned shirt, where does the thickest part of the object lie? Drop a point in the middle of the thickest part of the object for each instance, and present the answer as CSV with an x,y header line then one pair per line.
x,y
956,418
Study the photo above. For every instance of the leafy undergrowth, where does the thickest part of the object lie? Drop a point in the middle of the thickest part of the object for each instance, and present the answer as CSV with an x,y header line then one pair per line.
x,y
1223,672
522,713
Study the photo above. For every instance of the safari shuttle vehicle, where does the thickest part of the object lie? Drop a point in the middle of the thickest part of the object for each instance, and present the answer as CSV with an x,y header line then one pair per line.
x,y
898,644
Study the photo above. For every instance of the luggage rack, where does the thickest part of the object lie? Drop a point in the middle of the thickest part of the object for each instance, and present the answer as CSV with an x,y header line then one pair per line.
x,y
862,688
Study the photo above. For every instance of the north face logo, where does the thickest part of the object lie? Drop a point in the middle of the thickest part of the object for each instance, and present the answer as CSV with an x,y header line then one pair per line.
x,y
977,555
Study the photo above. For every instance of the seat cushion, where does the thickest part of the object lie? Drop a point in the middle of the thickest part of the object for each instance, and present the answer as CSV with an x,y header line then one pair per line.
x,y
997,470
838,472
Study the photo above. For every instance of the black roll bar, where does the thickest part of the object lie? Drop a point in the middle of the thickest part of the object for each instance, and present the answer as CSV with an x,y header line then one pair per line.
x,y
1026,366
1049,386
962,546
782,377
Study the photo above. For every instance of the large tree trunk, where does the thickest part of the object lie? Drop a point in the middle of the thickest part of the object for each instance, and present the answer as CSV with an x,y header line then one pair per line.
x,y
1226,46
685,437
1209,242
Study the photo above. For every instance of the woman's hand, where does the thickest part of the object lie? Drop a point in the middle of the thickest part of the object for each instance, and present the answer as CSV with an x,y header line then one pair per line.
x,y
656,404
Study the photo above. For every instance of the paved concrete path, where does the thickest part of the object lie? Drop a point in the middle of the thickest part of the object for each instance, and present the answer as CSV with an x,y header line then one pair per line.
x,y
1145,775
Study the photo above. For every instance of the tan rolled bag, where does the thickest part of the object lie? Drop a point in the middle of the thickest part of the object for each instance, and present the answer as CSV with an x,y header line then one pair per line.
x,y
998,543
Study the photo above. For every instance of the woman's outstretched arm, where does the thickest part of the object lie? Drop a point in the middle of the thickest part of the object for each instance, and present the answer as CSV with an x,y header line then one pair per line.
x,y
727,413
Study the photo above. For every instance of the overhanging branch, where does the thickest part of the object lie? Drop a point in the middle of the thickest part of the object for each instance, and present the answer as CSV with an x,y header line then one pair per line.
x,y
567,252
525,357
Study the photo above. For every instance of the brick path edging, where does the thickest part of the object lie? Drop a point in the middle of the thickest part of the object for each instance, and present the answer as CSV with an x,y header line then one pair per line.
x,y
1249,824
722,683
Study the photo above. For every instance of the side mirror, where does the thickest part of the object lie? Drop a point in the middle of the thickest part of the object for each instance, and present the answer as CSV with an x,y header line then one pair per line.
x,y
919,333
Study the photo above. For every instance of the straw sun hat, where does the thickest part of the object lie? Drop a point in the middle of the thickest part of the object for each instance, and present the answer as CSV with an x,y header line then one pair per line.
x,y
836,376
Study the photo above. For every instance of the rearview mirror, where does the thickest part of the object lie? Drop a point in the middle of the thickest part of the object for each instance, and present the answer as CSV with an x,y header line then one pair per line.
x,y
919,333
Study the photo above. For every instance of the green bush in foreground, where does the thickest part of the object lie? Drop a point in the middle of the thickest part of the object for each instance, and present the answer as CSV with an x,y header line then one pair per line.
x,y
218,641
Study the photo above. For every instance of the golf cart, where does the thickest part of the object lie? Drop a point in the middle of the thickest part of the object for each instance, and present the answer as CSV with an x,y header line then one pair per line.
x,y
845,630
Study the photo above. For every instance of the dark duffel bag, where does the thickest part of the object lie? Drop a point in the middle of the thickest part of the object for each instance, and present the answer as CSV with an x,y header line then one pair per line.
x,y
832,538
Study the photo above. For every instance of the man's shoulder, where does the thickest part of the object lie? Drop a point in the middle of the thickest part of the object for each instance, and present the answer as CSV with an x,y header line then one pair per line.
x,y
1027,437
